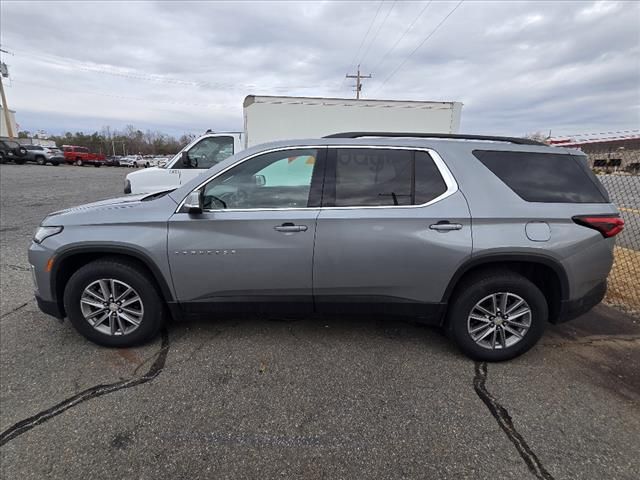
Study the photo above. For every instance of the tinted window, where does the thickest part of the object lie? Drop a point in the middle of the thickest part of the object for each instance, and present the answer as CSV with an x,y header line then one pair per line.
x,y
273,180
380,177
429,181
544,177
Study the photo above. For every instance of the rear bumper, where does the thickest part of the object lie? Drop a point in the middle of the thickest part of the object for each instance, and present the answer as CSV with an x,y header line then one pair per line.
x,y
570,309
50,308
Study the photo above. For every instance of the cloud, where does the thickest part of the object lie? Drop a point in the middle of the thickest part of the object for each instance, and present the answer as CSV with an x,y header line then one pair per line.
x,y
179,66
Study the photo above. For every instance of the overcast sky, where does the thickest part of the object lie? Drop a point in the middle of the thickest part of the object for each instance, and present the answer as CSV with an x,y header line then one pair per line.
x,y
518,67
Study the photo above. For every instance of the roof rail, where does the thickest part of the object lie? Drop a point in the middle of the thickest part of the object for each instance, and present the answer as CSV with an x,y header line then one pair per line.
x,y
515,140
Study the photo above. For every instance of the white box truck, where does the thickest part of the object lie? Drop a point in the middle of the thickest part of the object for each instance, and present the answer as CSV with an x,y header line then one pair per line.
x,y
267,119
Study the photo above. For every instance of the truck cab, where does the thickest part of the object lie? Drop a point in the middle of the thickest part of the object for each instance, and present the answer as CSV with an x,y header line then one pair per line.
x,y
197,157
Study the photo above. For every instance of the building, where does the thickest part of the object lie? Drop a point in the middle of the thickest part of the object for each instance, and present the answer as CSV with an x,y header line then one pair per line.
x,y
4,132
611,151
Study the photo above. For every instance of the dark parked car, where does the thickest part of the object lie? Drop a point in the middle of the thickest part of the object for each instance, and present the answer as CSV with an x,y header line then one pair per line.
x,y
113,161
10,150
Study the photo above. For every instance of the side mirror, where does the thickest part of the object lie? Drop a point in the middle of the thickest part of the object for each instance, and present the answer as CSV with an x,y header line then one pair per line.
x,y
260,180
193,203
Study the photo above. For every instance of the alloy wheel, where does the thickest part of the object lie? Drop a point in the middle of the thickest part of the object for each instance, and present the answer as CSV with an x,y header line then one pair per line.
x,y
499,320
112,307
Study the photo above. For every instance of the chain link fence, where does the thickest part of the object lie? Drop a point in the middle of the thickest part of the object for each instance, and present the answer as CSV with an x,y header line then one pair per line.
x,y
619,172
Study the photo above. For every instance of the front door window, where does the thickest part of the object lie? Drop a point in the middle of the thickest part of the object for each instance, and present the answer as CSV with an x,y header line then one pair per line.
x,y
273,180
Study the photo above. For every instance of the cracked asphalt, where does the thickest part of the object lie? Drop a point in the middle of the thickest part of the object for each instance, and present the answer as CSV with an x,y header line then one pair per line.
x,y
296,399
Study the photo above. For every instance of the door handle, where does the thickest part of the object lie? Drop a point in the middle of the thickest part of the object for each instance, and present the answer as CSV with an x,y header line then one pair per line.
x,y
290,227
445,226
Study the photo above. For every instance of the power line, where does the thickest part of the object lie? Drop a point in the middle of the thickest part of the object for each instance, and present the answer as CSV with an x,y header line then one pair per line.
x,y
375,36
114,71
352,63
421,44
104,94
415,20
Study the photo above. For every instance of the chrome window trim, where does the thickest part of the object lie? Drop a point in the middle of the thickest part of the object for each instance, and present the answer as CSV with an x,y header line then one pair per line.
x,y
447,176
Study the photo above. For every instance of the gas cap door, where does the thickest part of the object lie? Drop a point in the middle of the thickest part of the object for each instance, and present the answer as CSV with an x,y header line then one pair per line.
x,y
538,231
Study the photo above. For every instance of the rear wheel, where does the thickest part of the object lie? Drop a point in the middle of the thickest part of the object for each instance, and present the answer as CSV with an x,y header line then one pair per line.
x,y
113,303
497,316
55,163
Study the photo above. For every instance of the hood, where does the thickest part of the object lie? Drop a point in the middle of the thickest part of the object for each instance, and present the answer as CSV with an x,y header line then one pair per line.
x,y
127,202
144,171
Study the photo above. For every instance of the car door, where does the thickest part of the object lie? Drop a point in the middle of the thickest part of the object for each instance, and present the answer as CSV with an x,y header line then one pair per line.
x,y
252,247
204,155
392,231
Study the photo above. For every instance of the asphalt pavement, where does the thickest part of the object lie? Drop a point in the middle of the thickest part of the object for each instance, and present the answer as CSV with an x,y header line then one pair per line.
x,y
296,399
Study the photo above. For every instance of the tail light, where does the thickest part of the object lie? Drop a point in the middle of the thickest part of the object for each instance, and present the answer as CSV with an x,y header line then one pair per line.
x,y
608,225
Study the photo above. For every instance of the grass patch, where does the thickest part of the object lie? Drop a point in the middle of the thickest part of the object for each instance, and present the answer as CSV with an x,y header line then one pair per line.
x,y
624,280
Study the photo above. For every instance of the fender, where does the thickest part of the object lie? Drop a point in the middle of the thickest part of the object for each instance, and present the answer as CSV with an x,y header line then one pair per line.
x,y
116,249
489,258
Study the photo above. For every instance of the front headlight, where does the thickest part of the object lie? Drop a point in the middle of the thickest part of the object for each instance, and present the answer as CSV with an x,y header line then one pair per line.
x,y
45,232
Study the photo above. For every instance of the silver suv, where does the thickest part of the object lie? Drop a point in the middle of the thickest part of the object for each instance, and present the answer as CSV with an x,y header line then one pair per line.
x,y
488,237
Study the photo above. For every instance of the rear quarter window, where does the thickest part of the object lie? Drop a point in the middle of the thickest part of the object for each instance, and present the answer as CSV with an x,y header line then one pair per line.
x,y
544,177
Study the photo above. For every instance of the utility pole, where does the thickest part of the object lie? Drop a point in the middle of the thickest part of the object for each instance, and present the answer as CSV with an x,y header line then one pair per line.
x,y
358,77
5,108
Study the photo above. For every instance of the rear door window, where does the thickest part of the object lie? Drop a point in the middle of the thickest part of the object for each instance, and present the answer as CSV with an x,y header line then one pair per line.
x,y
376,177
544,177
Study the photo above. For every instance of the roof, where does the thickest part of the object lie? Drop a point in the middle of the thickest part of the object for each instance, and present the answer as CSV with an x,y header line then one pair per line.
x,y
413,142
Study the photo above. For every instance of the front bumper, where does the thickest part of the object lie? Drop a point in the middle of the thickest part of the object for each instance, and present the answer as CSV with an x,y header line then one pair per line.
x,y
570,309
50,308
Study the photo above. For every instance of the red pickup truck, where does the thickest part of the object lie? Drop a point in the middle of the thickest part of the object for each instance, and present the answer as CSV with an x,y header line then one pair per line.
x,y
82,156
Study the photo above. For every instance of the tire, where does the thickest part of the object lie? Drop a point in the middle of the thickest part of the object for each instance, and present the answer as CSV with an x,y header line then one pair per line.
x,y
125,275
482,287
97,165
55,163
79,162
41,160
2,159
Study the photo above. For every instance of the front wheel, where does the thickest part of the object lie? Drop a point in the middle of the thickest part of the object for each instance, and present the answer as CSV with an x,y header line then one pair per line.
x,y
40,161
113,303
497,316
79,162
55,163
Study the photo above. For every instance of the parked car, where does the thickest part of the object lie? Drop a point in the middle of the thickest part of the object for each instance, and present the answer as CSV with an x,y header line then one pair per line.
x,y
159,161
131,161
487,237
113,161
82,156
43,155
12,151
